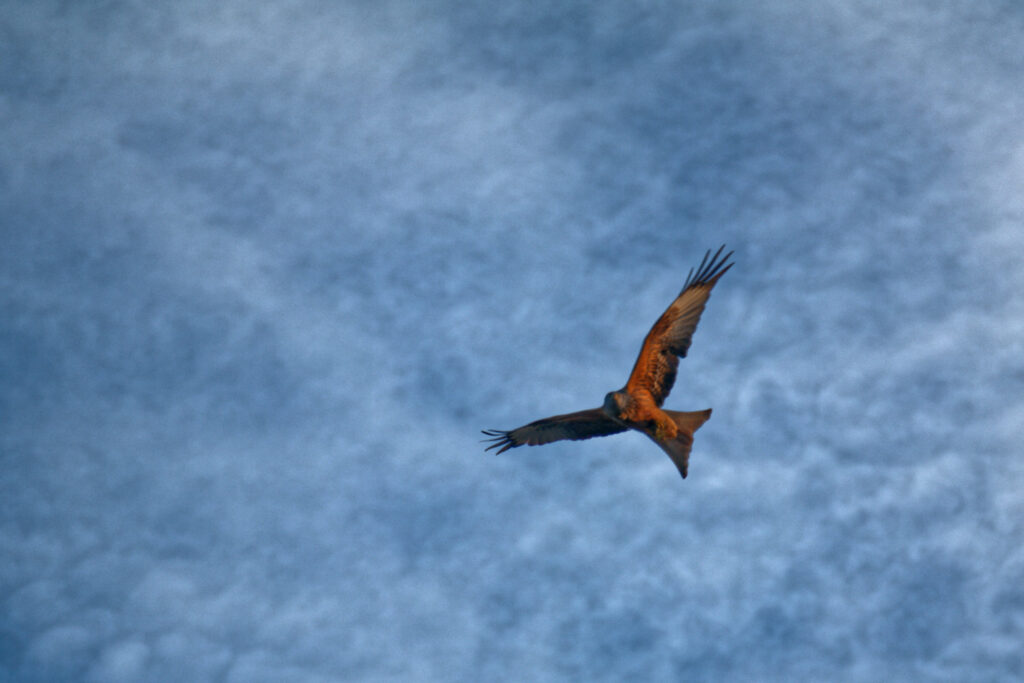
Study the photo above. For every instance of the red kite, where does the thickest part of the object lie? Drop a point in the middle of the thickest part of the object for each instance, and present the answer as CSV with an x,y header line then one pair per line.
x,y
638,404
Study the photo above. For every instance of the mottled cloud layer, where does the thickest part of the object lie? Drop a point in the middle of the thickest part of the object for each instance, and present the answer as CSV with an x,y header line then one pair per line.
x,y
268,269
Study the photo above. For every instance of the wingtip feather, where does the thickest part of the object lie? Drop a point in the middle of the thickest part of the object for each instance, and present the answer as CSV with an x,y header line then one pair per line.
x,y
710,269
500,438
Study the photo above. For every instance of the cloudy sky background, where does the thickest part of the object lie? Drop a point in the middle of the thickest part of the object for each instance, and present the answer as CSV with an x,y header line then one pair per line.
x,y
268,268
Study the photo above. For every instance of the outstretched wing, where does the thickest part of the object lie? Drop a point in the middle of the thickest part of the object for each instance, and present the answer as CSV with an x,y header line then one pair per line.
x,y
669,339
585,424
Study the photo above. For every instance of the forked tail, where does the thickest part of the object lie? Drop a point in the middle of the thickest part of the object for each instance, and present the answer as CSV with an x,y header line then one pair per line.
x,y
679,448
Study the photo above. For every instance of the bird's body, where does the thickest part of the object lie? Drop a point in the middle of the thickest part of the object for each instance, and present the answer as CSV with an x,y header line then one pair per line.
x,y
638,404
639,411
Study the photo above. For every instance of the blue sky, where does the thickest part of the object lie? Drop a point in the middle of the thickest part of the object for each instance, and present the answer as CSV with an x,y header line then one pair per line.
x,y
268,269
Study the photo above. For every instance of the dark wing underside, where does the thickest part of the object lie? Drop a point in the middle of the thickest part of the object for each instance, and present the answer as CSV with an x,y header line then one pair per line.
x,y
584,424
669,339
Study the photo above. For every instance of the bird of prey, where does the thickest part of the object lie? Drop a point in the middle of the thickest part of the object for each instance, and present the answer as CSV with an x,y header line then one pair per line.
x,y
638,404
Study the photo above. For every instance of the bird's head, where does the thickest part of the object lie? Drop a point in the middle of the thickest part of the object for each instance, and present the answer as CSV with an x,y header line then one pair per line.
x,y
614,403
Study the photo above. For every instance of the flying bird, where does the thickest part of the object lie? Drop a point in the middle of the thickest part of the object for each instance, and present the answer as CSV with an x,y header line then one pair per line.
x,y
638,404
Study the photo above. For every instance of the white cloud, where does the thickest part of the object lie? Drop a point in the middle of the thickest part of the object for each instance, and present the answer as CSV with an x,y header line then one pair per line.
x,y
271,268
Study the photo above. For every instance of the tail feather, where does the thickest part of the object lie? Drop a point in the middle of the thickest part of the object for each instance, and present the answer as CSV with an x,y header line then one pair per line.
x,y
678,449
689,422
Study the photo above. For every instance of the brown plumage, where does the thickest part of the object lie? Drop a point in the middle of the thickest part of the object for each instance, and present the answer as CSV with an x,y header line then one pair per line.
x,y
638,404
